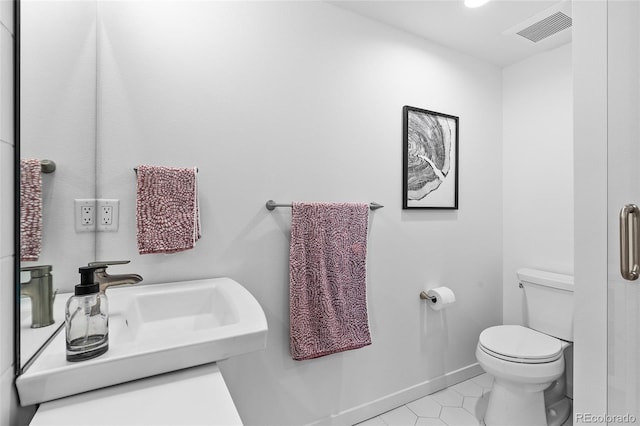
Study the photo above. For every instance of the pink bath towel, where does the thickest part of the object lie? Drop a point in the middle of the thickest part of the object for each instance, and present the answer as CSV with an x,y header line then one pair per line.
x,y
167,214
327,290
30,209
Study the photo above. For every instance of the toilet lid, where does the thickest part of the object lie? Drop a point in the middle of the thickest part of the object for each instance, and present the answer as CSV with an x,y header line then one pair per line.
x,y
521,343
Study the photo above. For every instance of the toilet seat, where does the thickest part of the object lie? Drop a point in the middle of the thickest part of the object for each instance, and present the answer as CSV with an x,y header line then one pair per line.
x,y
519,344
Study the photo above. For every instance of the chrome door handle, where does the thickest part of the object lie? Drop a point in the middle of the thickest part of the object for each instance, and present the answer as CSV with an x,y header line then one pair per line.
x,y
629,262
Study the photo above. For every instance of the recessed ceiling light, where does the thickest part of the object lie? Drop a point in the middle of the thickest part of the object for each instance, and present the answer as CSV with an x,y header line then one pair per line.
x,y
474,3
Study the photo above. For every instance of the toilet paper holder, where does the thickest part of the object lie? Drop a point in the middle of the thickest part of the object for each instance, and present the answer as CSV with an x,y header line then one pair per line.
x,y
425,296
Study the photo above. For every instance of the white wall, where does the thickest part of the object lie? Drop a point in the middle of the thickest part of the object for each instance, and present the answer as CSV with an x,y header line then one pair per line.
x,y
303,101
58,107
7,251
537,164
10,412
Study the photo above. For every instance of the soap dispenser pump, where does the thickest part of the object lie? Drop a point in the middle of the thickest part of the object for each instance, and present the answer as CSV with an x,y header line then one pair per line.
x,y
87,319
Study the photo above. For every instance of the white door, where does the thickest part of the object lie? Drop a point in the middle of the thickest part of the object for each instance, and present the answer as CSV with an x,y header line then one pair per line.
x,y
623,127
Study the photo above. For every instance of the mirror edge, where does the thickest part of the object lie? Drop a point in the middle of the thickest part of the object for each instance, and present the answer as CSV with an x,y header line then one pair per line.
x,y
16,185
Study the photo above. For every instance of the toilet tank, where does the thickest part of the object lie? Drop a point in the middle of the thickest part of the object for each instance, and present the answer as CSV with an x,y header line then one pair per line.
x,y
548,302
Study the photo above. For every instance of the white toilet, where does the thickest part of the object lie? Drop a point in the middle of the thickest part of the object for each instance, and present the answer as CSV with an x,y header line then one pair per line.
x,y
528,363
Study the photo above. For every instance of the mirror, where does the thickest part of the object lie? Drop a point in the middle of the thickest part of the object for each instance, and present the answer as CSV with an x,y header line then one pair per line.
x,y
193,85
57,123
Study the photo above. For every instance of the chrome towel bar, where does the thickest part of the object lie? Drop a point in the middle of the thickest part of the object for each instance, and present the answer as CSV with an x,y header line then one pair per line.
x,y
272,205
135,169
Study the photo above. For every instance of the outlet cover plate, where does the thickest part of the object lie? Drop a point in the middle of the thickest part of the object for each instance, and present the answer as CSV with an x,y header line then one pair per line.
x,y
85,215
107,213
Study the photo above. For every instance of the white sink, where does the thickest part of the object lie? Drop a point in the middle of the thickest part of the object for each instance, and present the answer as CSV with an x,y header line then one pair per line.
x,y
153,329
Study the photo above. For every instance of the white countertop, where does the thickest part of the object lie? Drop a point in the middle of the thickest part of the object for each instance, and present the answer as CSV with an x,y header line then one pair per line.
x,y
31,339
193,396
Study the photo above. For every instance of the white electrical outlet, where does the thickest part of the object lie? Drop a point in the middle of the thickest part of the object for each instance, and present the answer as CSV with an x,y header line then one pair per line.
x,y
107,215
85,215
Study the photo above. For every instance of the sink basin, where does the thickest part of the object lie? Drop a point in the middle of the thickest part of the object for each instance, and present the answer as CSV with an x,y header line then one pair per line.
x,y
153,329
174,315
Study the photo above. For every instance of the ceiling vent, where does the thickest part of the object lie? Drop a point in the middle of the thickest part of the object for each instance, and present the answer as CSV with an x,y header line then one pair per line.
x,y
544,24
546,28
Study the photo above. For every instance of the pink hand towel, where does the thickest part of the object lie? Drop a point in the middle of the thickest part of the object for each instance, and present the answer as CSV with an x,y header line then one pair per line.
x,y
167,214
30,209
328,303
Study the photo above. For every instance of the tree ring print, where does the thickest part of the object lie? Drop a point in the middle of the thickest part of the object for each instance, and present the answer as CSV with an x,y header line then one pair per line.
x,y
430,156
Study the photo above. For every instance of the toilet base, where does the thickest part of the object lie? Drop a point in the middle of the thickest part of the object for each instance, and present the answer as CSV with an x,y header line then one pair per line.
x,y
509,405
559,412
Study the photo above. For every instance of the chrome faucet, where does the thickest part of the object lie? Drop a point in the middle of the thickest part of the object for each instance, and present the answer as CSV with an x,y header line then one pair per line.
x,y
39,289
105,280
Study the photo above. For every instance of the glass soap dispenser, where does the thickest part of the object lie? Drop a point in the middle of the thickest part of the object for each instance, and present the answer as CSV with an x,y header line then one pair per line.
x,y
87,319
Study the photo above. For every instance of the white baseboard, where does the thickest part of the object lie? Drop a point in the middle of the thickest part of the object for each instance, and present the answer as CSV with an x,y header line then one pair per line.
x,y
381,405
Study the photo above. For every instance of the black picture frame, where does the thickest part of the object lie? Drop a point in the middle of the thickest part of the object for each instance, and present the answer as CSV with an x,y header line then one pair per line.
x,y
429,159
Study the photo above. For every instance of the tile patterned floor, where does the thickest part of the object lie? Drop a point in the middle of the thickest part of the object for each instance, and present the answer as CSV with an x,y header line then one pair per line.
x,y
463,404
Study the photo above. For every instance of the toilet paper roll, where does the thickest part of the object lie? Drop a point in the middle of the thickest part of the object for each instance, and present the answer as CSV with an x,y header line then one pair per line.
x,y
444,298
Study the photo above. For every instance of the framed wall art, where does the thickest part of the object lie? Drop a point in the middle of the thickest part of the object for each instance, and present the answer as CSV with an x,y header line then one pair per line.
x,y
430,159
